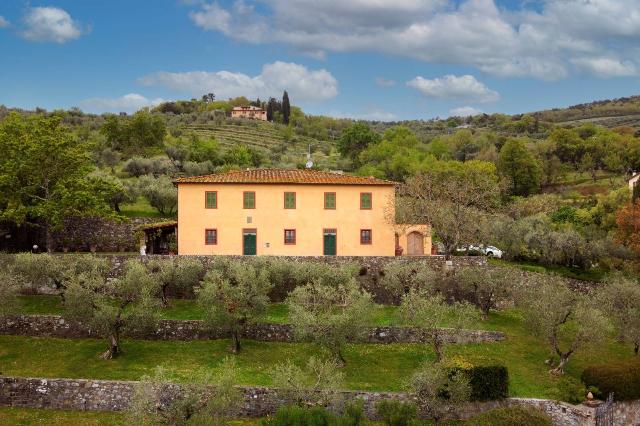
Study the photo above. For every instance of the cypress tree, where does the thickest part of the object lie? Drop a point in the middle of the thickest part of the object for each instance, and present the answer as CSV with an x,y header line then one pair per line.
x,y
286,108
270,110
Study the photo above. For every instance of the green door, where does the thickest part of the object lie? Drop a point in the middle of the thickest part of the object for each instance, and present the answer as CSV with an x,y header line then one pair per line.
x,y
329,242
249,238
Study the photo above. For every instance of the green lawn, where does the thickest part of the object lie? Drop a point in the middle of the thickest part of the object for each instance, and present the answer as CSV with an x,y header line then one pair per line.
x,y
39,416
593,274
141,208
369,366
182,309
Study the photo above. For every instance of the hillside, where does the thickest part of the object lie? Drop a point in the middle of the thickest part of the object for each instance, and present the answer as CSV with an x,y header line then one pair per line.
x,y
608,113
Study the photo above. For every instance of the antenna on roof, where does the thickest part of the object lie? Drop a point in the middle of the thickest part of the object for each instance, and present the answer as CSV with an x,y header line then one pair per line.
x,y
309,162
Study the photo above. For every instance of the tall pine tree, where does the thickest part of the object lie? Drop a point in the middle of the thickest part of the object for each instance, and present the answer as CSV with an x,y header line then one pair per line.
x,y
286,108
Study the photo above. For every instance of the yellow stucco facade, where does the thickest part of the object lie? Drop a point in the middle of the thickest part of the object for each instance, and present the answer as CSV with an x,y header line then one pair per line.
x,y
287,215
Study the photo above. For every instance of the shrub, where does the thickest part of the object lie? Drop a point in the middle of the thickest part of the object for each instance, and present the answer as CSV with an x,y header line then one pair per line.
x,y
137,166
488,382
570,390
622,378
511,416
397,413
316,416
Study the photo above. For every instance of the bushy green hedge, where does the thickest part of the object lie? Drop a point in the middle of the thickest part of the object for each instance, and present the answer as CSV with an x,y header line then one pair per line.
x,y
489,382
316,416
622,378
511,416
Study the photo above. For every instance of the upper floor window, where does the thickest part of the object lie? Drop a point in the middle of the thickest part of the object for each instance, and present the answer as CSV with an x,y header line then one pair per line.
x,y
289,200
249,200
211,237
211,199
365,201
365,236
330,200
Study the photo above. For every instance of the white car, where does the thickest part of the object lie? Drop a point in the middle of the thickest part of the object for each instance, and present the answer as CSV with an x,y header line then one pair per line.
x,y
490,251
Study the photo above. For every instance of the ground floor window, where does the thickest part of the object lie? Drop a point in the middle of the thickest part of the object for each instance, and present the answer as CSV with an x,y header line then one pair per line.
x,y
211,237
289,236
365,236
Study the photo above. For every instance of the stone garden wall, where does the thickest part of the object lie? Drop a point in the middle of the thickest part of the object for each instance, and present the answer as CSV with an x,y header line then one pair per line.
x,y
98,234
106,395
57,326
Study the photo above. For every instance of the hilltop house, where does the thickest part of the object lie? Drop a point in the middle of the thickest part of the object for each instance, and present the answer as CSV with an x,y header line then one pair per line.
x,y
294,213
249,112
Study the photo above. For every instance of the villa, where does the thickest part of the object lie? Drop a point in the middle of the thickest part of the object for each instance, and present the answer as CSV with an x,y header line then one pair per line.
x,y
291,212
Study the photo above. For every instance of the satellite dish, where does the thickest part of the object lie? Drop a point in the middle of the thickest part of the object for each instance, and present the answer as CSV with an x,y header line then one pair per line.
x,y
309,164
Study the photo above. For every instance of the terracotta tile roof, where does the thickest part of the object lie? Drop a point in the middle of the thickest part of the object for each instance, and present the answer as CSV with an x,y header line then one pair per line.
x,y
288,176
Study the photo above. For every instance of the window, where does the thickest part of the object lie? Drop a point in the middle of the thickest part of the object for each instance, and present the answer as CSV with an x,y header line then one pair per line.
x,y
289,236
211,200
249,200
211,237
330,200
365,236
365,201
289,200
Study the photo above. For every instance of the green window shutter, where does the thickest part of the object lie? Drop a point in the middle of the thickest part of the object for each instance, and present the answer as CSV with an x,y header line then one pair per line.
x,y
289,200
211,200
329,200
249,200
365,200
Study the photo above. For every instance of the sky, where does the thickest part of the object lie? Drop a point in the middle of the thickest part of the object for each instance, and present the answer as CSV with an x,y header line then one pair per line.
x,y
369,59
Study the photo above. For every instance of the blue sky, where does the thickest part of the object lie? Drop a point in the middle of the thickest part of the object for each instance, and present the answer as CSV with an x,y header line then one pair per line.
x,y
373,59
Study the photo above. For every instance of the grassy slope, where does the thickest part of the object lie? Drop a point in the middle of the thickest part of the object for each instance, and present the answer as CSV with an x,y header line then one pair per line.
x,y
369,367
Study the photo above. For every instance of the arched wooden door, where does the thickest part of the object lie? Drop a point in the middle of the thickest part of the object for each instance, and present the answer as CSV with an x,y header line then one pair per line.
x,y
415,244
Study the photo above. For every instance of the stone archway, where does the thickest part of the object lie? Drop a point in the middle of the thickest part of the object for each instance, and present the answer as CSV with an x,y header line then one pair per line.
x,y
415,244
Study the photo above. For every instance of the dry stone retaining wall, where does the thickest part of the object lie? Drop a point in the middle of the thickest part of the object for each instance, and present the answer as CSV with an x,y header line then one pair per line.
x,y
57,326
107,395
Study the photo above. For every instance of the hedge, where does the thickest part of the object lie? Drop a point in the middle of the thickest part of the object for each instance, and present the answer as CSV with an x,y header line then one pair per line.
x,y
489,382
621,378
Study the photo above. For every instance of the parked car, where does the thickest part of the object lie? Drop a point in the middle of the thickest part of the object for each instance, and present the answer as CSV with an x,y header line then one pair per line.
x,y
490,251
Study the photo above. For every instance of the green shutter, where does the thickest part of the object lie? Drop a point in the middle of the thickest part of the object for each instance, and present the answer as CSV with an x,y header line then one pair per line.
x,y
365,200
249,200
212,200
289,200
330,200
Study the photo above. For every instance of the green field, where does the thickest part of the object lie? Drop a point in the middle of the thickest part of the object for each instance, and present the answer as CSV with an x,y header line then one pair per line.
x,y
369,366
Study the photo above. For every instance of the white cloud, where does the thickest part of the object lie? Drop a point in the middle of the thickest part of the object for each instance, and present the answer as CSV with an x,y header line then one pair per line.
x,y
3,22
383,82
465,111
128,103
301,83
607,67
50,24
454,87
545,40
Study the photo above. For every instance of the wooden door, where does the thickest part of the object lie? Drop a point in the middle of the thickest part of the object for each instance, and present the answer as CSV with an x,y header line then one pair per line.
x,y
249,242
329,242
415,244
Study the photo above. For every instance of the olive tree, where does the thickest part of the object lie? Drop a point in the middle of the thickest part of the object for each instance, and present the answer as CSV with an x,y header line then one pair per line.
x,y
125,305
235,300
566,319
330,315
315,384
9,291
622,300
488,286
34,272
399,277
179,273
440,390
453,197
211,399
430,312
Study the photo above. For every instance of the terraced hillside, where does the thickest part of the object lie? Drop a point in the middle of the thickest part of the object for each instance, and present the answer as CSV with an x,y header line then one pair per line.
x,y
282,147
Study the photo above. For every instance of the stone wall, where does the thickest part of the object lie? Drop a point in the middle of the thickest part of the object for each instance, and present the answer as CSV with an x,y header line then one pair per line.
x,y
57,326
106,395
103,235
